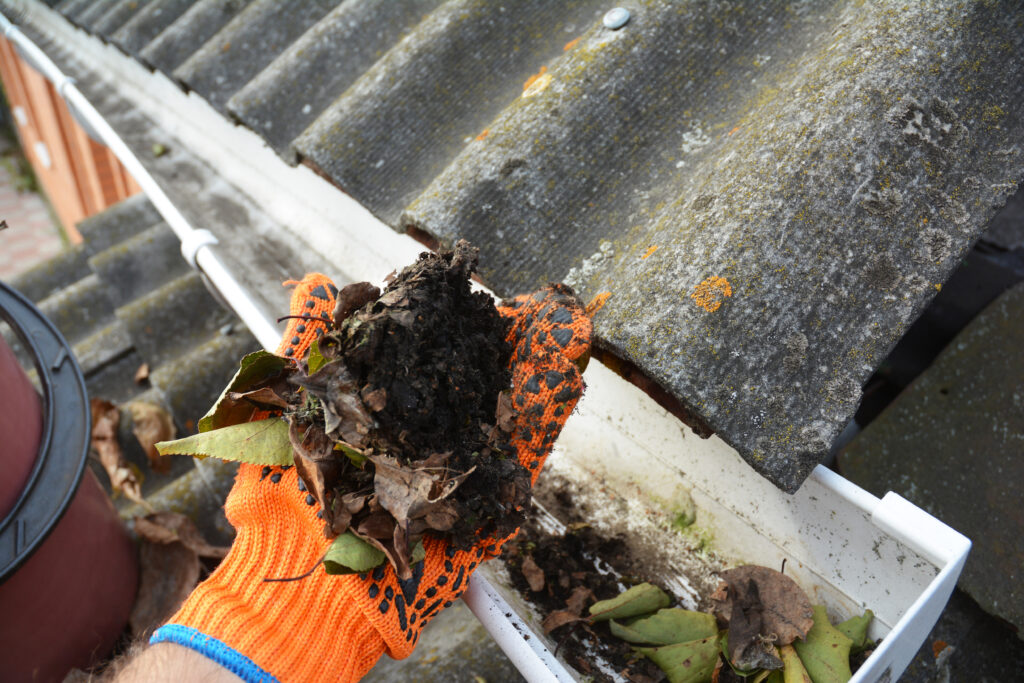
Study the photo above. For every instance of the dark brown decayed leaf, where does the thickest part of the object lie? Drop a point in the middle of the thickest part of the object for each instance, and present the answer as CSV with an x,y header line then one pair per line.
x,y
749,648
351,298
534,575
787,613
314,463
559,618
151,424
573,609
171,527
168,573
581,595
345,416
105,420
264,397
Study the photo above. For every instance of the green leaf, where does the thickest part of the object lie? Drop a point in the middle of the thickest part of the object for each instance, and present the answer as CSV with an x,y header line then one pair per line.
x,y
640,599
418,552
316,359
793,670
667,627
253,368
825,652
350,554
355,456
692,662
856,629
264,442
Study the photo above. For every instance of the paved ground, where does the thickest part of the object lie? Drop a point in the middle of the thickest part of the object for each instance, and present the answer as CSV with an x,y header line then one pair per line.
x,y
31,235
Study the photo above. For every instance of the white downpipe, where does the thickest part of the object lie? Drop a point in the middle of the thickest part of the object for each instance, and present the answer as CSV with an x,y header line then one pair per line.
x,y
196,244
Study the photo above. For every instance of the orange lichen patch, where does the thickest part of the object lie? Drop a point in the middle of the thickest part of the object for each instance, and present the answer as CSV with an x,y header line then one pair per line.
x,y
537,82
483,134
597,303
938,286
709,294
226,46
571,44
650,250
938,646
734,130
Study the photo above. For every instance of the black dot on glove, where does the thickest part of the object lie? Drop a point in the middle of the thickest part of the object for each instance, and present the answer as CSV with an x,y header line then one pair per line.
x,y
561,316
562,335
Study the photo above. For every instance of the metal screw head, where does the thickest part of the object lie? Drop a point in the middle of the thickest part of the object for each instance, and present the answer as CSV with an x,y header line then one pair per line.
x,y
616,18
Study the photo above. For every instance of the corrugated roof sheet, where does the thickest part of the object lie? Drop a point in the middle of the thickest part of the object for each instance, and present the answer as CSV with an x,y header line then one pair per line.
x,y
770,192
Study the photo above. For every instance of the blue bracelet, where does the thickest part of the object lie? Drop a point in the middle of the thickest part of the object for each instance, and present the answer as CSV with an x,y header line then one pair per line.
x,y
211,648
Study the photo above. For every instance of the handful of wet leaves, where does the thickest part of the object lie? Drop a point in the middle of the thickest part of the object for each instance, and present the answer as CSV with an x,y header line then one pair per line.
x,y
397,420
763,630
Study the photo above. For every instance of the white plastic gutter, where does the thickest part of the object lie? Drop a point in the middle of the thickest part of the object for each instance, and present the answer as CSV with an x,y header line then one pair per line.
x,y
196,244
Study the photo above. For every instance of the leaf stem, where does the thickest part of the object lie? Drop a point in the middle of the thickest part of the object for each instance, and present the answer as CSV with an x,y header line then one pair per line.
x,y
304,316
301,576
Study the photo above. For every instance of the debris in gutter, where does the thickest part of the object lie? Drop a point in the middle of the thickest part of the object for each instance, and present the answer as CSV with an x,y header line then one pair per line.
x,y
397,420
758,626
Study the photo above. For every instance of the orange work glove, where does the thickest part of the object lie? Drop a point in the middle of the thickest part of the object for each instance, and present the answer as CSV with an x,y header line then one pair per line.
x,y
335,627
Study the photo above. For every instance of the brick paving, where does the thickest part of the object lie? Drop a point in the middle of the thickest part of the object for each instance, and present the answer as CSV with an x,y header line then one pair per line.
x,y
31,235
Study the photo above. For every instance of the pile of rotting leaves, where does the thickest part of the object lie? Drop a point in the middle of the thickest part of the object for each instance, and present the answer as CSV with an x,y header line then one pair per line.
x,y
760,626
397,420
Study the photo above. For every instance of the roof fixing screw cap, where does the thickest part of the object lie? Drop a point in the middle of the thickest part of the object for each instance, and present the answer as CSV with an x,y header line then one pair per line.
x,y
616,18
193,242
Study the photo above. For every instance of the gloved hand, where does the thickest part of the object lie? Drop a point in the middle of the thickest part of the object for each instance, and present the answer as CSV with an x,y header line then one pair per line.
x,y
335,627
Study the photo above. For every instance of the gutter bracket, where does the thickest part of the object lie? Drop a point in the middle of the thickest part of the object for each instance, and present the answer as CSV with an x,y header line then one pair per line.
x,y
192,242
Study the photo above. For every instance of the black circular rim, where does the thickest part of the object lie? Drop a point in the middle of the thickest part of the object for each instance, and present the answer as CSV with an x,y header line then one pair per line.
x,y
64,446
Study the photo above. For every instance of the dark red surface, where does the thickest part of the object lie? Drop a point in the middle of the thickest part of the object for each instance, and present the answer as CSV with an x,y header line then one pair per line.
x,y
21,426
68,604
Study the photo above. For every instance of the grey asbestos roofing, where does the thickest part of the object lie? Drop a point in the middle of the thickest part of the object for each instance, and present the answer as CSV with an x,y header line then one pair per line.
x,y
768,192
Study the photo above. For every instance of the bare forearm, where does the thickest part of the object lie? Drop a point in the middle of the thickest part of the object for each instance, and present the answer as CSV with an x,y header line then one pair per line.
x,y
170,663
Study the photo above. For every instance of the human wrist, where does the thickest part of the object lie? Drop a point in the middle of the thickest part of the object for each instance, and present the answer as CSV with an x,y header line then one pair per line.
x,y
171,663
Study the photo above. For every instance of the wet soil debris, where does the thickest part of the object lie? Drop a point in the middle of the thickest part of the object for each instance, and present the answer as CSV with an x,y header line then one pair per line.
x,y
403,420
